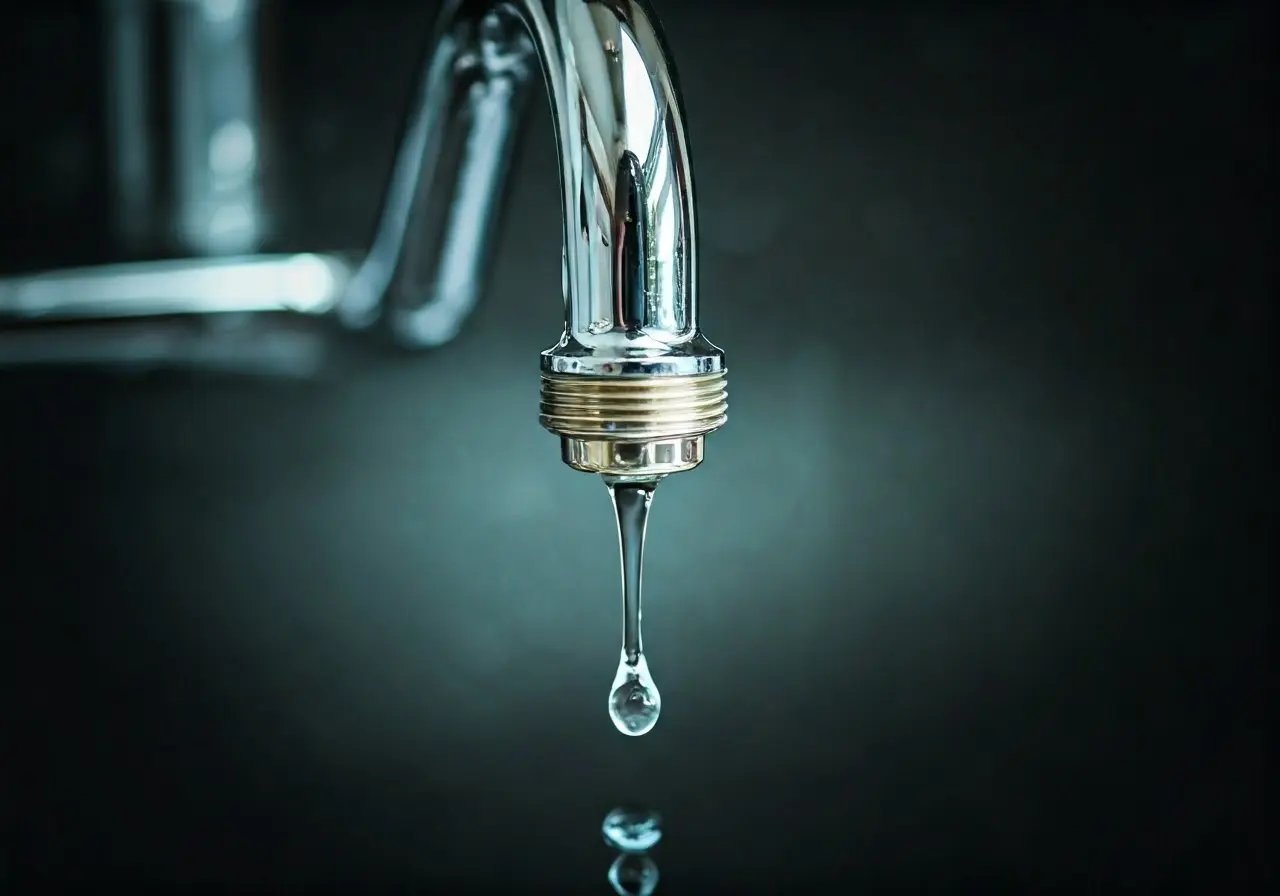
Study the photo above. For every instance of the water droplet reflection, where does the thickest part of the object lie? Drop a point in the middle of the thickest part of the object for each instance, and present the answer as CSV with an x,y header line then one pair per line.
x,y
633,875
632,829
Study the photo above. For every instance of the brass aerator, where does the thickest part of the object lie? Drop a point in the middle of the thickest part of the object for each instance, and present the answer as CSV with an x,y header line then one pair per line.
x,y
640,426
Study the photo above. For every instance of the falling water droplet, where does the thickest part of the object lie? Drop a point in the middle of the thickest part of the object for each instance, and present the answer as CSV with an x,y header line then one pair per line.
x,y
633,875
634,701
632,829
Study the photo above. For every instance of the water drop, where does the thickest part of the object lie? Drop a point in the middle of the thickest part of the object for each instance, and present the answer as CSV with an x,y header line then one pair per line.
x,y
632,829
633,875
634,701
599,326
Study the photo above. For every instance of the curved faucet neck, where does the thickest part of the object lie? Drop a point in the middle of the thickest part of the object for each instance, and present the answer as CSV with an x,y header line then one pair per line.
x,y
630,274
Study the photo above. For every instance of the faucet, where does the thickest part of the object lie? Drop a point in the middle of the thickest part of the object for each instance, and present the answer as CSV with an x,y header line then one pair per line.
x,y
631,387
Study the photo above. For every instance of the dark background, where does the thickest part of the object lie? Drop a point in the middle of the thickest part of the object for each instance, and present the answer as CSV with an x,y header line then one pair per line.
x,y
971,589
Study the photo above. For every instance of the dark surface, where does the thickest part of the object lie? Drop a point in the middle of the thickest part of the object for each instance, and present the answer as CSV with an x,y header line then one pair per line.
x,y
970,590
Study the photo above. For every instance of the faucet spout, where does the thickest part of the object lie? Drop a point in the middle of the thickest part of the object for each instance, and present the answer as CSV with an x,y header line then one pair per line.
x,y
631,386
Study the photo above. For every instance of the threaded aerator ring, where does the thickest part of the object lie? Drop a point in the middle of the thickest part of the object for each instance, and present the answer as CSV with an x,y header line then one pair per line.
x,y
633,409
633,427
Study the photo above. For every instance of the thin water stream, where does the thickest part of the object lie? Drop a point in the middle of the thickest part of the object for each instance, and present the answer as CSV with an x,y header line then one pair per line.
x,y
634,701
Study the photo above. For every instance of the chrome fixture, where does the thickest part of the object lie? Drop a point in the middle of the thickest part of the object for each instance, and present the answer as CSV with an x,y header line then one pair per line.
x,y
631,387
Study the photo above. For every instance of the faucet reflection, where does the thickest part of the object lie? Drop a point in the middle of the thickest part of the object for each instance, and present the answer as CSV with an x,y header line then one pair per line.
x,y
631,386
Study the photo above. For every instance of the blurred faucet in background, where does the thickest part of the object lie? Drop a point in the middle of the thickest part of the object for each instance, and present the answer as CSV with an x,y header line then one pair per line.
x,y
631,387
217,207
188,216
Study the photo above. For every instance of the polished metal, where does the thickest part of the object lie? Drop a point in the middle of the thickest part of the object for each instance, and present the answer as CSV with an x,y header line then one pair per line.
x,y
216,129
214,199
631,386
128,33
633,426
308,284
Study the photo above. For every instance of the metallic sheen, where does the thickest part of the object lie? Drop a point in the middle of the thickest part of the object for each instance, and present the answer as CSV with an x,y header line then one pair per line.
x,y
630,386
630,376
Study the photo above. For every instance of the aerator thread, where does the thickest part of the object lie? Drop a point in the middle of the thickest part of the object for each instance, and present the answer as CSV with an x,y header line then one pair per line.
x,y
633,408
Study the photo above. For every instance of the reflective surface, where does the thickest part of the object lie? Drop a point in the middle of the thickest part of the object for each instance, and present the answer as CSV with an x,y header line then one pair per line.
x,y
308,284
210,151
630,274
630,247
1000,617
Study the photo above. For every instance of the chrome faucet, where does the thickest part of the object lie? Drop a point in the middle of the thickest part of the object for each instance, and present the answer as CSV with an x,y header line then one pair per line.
x,y
631,386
